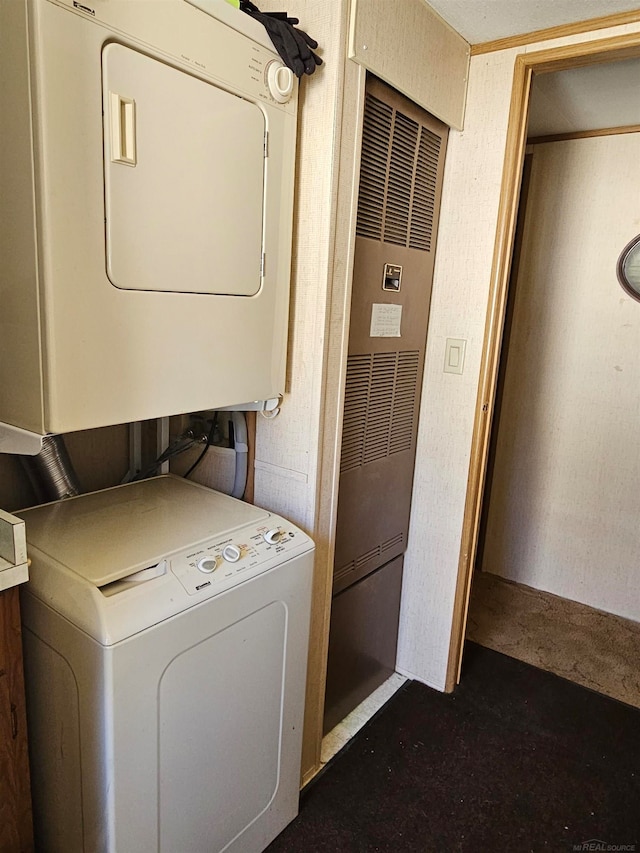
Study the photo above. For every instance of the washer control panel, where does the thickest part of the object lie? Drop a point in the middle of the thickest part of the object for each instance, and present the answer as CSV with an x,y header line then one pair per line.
x,y
219,564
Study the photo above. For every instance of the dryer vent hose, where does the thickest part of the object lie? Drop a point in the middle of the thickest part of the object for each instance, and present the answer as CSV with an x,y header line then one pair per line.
x,y
51,472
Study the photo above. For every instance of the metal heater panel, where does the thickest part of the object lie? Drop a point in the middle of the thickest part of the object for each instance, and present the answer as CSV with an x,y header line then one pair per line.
x,y
402,165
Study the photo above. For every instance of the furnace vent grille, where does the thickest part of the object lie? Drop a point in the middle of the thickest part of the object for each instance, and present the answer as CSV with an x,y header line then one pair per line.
x,y
399,187
373,175
395,542
424,191
398,177
379,409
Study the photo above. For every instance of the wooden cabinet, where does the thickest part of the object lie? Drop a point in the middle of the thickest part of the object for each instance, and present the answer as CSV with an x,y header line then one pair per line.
x,y
16,833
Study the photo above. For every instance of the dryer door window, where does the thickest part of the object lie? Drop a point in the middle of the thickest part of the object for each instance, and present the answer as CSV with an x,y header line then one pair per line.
x,y
172,226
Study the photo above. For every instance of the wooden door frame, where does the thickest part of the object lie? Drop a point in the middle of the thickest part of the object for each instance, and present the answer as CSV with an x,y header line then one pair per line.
x,y
526,65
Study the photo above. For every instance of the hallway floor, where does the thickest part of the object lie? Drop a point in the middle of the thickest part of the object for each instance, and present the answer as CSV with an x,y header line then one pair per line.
x,y
589,647
515,759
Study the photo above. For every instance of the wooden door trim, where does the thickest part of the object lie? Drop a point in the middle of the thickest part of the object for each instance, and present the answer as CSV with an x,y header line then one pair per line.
x,y
526,65
584,134
557,32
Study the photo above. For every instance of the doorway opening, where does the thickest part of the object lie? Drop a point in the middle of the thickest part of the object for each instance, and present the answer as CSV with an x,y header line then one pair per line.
x,y
560,59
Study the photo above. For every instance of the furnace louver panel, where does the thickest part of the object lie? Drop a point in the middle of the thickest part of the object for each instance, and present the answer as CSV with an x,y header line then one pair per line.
x,y
398,178
424,194
364,558
399,187
355,411
373,177
404,402
392,543
379,409
341,573
378,423
360,561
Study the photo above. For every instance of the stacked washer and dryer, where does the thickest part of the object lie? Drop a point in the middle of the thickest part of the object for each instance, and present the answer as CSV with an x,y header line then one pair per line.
x,y
149,164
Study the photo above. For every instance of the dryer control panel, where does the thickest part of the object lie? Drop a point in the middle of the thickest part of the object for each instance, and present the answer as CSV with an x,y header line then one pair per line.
x,y
222,563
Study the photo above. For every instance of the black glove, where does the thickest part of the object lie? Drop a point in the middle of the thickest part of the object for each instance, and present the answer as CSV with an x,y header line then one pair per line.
x,y
294,46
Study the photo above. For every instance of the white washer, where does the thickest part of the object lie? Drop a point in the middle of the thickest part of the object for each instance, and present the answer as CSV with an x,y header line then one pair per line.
x,y
165,681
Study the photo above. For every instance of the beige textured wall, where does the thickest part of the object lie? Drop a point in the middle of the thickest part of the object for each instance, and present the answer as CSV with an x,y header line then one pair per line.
x,y
288,464
462,275
287,447
565,503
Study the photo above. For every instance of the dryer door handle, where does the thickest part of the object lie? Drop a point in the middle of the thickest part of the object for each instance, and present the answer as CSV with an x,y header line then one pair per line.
x,y
122,118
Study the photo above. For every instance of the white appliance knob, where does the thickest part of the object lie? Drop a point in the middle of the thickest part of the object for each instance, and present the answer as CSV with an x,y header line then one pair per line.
x,y
280,81
208,564
231,553
272,536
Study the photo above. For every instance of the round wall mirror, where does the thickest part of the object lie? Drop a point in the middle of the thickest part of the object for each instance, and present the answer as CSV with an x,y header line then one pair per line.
x,y
629,268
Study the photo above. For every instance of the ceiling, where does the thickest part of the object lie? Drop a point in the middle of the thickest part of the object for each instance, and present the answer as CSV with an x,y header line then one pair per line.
x,y
580,99
478,21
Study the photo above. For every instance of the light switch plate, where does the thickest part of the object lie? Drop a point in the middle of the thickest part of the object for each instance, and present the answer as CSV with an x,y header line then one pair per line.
x,y
454,355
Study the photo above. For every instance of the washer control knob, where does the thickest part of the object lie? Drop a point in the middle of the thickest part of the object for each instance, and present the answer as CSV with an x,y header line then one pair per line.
x,y
280,81
208,565
272,536
232,553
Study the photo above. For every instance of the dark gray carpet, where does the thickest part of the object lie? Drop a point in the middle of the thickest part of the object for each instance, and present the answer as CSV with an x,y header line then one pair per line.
x,y
516,759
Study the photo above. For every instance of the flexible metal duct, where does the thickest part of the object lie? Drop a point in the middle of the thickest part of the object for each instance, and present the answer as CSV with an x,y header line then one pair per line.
x,y
51,472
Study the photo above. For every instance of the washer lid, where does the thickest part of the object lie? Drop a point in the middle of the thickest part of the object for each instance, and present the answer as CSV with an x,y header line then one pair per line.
x,y
105,536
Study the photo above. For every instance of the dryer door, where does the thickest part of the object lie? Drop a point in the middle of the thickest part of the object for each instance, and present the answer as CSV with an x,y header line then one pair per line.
x,y
172,226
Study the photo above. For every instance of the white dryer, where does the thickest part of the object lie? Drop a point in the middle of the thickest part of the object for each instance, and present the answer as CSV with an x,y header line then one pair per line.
x,y
146,201
165,640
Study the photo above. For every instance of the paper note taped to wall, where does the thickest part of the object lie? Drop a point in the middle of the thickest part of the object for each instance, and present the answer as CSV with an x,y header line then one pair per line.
x,y
385,320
